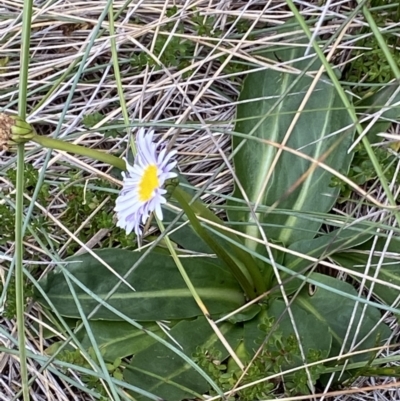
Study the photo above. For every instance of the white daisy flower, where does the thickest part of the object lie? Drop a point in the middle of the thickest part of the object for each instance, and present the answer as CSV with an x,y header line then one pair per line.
x,y
142,191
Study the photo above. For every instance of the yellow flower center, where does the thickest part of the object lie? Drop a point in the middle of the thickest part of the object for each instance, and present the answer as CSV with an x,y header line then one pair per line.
x,y
148,183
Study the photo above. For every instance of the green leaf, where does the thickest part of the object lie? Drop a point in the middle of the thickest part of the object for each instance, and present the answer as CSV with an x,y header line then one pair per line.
x,y
161,372
373,103
246,314
119,339
90,120
389,269
321,247
319,133
336,311
55,346
160,292
314,335
185,236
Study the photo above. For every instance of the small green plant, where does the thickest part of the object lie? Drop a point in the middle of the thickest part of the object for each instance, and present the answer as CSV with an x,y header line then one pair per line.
x,y
10,307
204,26
280,352
298,383
190,291
7,213
75,357
7,217
31,179
277,353
90,120
179,52
226,378
81,202
371,65
362,170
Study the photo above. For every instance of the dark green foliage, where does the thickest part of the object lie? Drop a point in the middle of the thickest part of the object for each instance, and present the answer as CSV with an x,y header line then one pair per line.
x,y
90,120
177,51
179,380
385,268
7,217
81,202
363,172
10,304
75,357
31,176
266,113
276,352
323,316
160,292
372,67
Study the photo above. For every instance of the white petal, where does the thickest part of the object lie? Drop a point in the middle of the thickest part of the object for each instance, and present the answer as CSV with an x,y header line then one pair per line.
x,y
161,156
167,158
159,212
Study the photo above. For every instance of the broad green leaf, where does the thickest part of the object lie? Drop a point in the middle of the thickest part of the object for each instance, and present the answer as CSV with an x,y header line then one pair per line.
x,y
389,268
161,372
323,132
374,103
335,311
321,247
160,292
119,339
314,335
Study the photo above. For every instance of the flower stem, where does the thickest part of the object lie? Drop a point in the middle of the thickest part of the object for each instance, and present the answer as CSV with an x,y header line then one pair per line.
x,y
196,296
250,268
79,150
19,277
19,201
